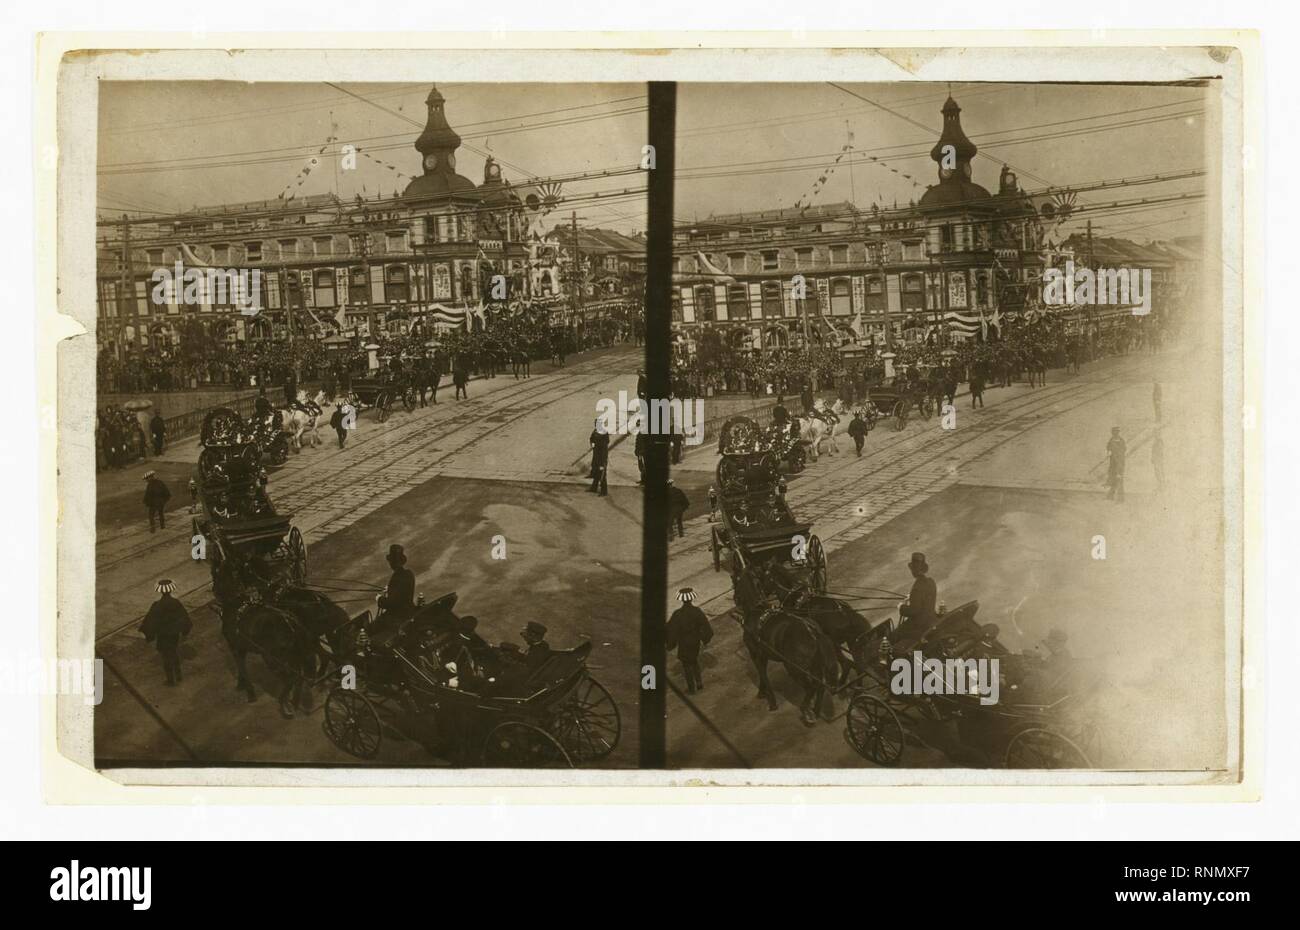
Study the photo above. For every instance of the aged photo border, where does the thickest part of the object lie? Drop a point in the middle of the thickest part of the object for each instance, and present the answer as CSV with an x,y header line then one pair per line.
x,y
66,108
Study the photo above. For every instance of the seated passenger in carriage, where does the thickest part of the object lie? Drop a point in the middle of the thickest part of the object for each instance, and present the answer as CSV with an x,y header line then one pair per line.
x,y
918,613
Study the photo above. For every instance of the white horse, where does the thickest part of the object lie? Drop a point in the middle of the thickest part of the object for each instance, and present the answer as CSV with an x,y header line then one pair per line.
x,y
299,424
813,431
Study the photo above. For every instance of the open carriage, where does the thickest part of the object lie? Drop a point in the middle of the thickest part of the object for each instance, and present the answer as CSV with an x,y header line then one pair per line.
x,y
245,540
1041,720
383,392
751,520
480,704
897,399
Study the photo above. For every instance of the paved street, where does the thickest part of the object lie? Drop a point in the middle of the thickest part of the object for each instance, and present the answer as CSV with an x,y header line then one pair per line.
x,y
442,481
1006,507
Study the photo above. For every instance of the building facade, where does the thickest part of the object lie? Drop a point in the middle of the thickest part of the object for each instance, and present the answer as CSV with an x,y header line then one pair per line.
x,y
840,274
327,265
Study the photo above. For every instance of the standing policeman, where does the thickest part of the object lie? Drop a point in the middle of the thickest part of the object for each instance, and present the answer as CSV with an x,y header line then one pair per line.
x,y
688,629
165,625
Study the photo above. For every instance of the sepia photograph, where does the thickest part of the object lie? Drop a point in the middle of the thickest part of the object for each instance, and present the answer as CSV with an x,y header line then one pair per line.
x,y
770,418
351,507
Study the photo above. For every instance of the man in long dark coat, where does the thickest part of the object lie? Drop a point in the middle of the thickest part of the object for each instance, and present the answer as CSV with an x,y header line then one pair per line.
x,y
688,630
165,625
156,496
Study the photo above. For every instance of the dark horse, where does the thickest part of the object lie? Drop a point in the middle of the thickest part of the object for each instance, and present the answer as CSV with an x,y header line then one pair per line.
x,y
290,633
810,658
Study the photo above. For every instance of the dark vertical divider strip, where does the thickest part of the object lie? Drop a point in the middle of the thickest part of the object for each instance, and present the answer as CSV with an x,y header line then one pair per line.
x,y
658,318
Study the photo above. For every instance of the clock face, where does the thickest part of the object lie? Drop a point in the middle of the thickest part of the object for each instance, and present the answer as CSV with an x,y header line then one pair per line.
x,y
430,161
945,173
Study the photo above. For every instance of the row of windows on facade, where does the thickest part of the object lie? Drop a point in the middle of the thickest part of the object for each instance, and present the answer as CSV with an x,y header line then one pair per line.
x,y
941,239
775,298
394,285
442,228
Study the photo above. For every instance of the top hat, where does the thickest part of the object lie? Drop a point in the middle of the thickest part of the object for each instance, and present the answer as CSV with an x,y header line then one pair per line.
x,y
918,560
165,586
686,595
395,552
532,626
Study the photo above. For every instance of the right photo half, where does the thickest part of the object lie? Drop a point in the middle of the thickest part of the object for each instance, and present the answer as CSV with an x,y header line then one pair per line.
x,y
954,491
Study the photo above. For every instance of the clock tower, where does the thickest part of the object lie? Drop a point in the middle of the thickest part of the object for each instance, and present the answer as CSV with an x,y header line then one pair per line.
x,y
953,152
437,147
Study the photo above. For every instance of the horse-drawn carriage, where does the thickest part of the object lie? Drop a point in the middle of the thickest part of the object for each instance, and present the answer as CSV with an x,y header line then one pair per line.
x,y
383,392
242,532
483,705
1041,719
896,400
752,520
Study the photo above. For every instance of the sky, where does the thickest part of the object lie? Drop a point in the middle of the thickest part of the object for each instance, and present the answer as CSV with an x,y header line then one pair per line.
x,y
169,146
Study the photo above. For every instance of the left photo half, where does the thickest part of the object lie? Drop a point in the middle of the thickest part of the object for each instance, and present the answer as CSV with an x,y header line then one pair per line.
x,y
352,500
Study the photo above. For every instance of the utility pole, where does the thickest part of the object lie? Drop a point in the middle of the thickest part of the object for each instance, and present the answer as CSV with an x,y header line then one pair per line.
x,y
577,269
126,297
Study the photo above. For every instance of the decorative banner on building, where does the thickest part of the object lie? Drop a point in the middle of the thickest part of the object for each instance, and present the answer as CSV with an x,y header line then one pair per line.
x,y
859,294
823,295
957,289
341,286
447,316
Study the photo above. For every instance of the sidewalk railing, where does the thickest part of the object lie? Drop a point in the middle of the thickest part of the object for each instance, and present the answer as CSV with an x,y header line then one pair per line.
x,y
190,423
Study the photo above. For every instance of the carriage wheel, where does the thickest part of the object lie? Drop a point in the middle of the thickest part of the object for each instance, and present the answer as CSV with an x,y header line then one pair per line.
x,y
381,403
717,550
297,557
352,723
518,745
408,399
818,571
588,724
927,407
1044,749
874,730
900,415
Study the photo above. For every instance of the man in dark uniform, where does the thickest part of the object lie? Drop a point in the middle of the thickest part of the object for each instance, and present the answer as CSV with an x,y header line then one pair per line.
x,y
641,390
156,496
918,611
688,630
599,440
858,431
678,503
398,600
158,428
539,650
1116,449
165,625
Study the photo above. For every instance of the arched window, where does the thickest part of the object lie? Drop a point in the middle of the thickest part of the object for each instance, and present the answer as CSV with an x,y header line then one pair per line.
x,y
358,285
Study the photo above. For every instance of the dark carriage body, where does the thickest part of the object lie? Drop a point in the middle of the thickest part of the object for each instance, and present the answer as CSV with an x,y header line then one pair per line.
x,y
247,541
509,715
1042,718
752,521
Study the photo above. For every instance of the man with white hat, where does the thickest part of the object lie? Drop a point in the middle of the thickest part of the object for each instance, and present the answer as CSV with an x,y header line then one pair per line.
x,y
165,625
687,631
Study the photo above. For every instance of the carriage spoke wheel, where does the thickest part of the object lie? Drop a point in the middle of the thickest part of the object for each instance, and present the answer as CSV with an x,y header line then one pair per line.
x,y
1044,749
588,725
352,723
900,416
297,557
518,745
818,571
382,404
874,730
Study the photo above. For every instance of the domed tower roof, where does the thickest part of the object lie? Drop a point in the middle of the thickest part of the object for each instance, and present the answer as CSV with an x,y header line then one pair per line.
x,y
437,147
953,154
953,135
